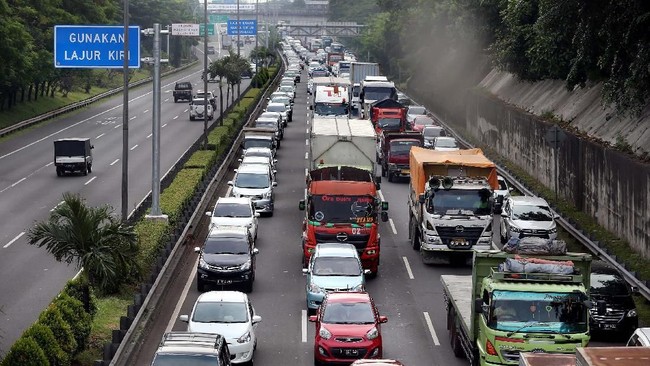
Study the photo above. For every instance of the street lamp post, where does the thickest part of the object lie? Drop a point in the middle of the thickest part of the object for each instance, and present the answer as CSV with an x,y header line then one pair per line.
x,y
205,75
125,117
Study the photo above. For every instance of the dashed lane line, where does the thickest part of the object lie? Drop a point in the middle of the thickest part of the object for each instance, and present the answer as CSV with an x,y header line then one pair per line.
x,y
14,240
427,319
408,268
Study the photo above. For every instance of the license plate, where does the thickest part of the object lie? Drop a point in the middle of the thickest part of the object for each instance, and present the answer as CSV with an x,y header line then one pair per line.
x,y
351,352
406,171
608,326
224,282
458,241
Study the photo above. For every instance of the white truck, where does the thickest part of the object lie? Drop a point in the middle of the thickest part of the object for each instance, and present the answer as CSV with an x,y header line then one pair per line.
x,y
341,141
358,73
374,89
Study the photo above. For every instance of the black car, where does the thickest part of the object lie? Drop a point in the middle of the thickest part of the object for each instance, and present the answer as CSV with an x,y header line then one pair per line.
x,y
609,288
227,258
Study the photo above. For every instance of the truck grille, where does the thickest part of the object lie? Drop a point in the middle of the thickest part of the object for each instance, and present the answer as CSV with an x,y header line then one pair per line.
x,y
611,316
359,241
453,236
351,353
541,233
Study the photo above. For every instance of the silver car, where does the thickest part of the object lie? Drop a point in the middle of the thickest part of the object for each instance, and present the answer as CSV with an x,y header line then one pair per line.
x,y
255,181
526,216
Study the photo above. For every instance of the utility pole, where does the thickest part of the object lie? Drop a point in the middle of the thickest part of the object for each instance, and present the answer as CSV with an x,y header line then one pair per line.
x,y
238,48
205,75
257,31
125,118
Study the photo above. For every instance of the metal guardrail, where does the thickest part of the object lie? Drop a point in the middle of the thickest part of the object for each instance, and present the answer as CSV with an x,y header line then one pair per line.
x,y
84,103
578,234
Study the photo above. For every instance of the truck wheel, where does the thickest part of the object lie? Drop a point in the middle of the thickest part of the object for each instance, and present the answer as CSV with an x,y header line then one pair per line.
x,y
90,168
59,172
415,236
390,176
455,342
84,171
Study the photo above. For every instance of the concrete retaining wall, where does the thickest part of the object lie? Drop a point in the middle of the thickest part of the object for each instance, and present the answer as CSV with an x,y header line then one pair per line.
x,y
609,185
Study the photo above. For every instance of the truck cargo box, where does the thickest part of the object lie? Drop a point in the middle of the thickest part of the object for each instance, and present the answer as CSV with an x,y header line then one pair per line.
x,y
613,356
342,142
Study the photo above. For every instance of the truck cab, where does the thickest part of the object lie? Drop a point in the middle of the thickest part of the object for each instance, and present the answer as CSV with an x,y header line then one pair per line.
x,y
73,155
388,115
393,153
373,89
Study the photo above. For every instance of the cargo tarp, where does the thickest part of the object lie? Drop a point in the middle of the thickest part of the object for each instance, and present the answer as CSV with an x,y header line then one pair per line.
x,y
426,162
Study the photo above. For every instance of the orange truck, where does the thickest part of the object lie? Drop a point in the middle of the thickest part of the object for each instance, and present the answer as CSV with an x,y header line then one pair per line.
x,y
451,204
388,115
342,203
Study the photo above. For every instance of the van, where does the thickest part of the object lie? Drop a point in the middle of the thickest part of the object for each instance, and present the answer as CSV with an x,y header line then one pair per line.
x,y
190,348
73,155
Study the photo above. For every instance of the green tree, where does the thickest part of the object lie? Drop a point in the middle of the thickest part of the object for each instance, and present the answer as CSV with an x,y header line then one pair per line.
x,y
92,238
25,352
218,69
46,340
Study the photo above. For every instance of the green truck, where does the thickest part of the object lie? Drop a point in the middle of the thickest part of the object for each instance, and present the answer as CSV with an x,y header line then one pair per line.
x,y
501,310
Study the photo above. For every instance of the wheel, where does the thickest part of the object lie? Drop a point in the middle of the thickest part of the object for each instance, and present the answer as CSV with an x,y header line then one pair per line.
x,y
311,311
191,118
175,100
84,171
415,236
454,339
248,288
317,363
90,168
59,172
200,286
374,274
278,144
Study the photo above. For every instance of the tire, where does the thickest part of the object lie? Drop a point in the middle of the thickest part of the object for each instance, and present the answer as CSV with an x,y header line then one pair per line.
x,y
390,176
383,171
311,311
90,168
59,172
191,118
84,171
200,286
415,236
454,339
317,363
175,100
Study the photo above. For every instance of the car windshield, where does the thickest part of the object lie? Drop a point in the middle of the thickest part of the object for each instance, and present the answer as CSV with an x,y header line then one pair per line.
x,y
250,142
402,147
342,209
423,121
276,108
378,92
608,284
226,245
336,266
331,109
348,313
433,132
503,186
537,312
459,201
252,180
220,312
417,111
283,99
286,89
264,153
232,210
446,143
390,124
190,359
531,213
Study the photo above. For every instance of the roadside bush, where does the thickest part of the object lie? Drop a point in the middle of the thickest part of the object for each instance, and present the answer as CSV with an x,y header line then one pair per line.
x,y
76,289
201,159
72,311
151,237
214,137
25,352
48,343
174,199
53,319
253,93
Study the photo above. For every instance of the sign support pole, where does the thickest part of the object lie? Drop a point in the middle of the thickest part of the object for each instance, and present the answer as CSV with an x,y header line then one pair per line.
x,y
205,75
125,118
557,157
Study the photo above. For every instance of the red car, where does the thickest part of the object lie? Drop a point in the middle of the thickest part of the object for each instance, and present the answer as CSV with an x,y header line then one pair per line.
x,y
348,327
377,363
419,122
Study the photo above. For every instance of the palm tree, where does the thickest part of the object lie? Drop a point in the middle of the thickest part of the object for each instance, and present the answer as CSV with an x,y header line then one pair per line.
x,y
91,237
218,68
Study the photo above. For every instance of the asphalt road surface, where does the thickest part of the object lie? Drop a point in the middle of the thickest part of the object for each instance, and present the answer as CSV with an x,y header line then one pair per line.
x,y
30,188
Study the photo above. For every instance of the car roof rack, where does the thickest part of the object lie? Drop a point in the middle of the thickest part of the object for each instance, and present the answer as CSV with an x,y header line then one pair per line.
x,y
192,339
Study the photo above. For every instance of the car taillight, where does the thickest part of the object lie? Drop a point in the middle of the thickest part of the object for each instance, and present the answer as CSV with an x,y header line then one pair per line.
x,y
489,348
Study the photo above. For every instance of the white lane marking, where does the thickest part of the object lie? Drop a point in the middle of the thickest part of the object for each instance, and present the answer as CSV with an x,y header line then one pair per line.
x,y
307,131
392,226
145,111
132,118
306,171
15,184
408,268
306,142
182,298
306,155
304,326
167,100
90,180
151,134
118,126
175,117
163,126
427,319
114,162
381,195
48,164
57,205
133,148
14,239
97,138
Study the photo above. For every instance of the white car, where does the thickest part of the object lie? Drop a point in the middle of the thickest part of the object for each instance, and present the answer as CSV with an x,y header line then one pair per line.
x,y
232,211
504,189
444,143
527,216
198,108
230,314
414,111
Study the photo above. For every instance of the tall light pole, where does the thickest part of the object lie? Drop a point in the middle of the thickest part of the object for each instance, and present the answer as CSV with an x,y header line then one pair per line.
x,y
238,28
125,118
205,75
257,31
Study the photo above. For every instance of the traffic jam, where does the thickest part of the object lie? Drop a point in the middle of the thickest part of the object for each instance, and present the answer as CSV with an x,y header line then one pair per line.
x,y
525,293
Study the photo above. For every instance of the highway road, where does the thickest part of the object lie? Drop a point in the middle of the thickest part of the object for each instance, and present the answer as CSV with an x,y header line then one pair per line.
x,y
30,188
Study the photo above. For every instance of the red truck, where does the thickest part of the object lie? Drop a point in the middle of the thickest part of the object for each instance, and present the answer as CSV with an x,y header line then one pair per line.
x,y
388,115
393,152
343,206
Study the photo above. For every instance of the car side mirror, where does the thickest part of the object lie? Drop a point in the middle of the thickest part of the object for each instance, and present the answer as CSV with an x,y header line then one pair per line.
x,y
383,319
184,318
230,183
421,199
478,306
556,216
384,205
240,160
511,189
384,216
275,160
305,271
257,214
256,251
301,205
256,319
367,272
197,249
92,147
274,171
275,184
208,213
234,170
312,318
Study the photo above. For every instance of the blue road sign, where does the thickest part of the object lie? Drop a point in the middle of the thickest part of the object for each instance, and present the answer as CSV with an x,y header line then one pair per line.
x,y
246,27
89,46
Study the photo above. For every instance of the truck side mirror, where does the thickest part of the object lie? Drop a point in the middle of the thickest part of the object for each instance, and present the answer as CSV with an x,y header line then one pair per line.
x,y
301,205
384,216
311,107
421,199
478,306
384,205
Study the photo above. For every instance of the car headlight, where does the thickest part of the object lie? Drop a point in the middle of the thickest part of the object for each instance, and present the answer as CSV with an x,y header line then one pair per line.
x,y
515,229
553,230
314,288
245,266
358,288
372,333
268,194
631,313
203,264
324,333
245,338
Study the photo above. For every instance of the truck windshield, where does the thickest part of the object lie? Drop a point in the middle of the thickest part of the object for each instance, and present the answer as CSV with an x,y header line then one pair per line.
x,y
249,142
342,209
459,200
331,109
390,124
402,147
538,312
378,93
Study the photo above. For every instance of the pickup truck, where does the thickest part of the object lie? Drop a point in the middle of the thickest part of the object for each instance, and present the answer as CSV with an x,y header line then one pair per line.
x,y
182,90
211,98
